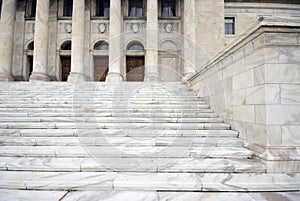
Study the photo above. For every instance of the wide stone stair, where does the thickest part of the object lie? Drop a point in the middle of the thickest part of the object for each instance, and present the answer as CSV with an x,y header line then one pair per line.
x,y
126,136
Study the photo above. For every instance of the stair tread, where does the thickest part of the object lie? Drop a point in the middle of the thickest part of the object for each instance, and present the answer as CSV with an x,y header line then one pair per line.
x,y
130,164
117,140
244,182
125,151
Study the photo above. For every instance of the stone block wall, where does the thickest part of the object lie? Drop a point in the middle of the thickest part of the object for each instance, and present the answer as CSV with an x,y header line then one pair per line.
x,y
255,85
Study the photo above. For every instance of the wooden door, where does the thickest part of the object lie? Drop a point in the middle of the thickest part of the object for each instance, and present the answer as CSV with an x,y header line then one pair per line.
x,y
65,67
100,68
135,68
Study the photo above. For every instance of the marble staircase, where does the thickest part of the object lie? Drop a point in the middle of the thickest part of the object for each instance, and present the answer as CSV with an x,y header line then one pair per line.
x,y
126,136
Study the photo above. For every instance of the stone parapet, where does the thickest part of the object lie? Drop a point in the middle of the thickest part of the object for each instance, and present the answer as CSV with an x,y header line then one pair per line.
x,y
254,84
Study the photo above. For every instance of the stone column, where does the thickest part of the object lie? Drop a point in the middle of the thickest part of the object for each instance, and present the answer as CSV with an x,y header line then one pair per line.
x,y
40,54
7,39
115,38
151,67
189,38
77,51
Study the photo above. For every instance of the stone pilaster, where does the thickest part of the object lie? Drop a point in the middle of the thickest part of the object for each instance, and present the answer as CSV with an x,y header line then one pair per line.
x,y
78,28
151,67
6,39
189,38
115,38
40,55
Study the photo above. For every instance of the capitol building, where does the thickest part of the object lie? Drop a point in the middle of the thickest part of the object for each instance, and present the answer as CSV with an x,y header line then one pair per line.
x,y
159,99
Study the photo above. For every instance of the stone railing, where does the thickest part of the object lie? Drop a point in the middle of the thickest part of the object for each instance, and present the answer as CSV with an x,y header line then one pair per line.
x,y
255,85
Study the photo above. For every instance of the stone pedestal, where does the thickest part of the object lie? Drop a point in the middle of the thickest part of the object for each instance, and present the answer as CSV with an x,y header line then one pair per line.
x,y
151,67
77,52
40,58
6,39
189,39
115,38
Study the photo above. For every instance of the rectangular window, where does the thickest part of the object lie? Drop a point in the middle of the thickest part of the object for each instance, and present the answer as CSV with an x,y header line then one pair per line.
x,y
68,8
102,8
229,25
0,7
135,8
168,8
30,8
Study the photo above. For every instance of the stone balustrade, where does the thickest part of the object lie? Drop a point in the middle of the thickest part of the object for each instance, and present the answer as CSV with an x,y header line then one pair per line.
x,y
254,83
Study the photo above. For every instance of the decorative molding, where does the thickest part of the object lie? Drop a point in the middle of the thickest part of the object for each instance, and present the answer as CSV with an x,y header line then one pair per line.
x,y
135,27
169,27
102,28
68,27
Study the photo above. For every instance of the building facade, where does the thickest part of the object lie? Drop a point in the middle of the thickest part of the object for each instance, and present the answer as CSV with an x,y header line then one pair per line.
x,y
250,76
129,40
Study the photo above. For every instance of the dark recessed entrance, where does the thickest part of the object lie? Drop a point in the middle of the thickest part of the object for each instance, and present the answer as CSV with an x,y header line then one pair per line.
x,y
100,68
135,68
65,67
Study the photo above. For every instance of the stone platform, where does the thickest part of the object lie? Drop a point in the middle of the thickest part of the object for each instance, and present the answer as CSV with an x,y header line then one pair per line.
x,y
144,141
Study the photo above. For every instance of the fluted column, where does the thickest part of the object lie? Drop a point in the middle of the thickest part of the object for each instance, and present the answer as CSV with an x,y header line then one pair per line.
x,y
115,50
77,51
40,54
151,67
189,38
7,39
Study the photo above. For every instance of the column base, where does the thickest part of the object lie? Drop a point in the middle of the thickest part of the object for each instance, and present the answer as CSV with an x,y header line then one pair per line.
x,y
152,77
41,77
77,77
114,77
6,77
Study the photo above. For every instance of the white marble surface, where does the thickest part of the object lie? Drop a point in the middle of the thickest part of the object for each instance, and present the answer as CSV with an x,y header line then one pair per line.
x,y
21,195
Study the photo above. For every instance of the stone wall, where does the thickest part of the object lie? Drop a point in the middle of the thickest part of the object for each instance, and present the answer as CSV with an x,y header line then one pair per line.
x,y
209,29
255,85
246,13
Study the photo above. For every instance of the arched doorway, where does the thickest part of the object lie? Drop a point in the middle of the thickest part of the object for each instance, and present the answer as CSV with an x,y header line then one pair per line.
x,y
101,61
65,60
135,62
29,60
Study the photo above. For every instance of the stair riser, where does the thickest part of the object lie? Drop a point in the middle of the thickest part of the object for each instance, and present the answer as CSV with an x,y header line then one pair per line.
x,y
167,126
116,132
118,141
110,119
106,106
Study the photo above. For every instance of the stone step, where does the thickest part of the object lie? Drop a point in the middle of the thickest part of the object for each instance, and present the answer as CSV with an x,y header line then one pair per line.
x,y
117,132
126,152
130,164
99,101
119,141
72,181
180,100
91,109
132,125
109,114
112,106
111,119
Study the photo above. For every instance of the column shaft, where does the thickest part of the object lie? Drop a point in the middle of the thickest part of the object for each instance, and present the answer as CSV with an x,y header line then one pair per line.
x,y
7,39
40,55
77,52
189,38
151,67
115,38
